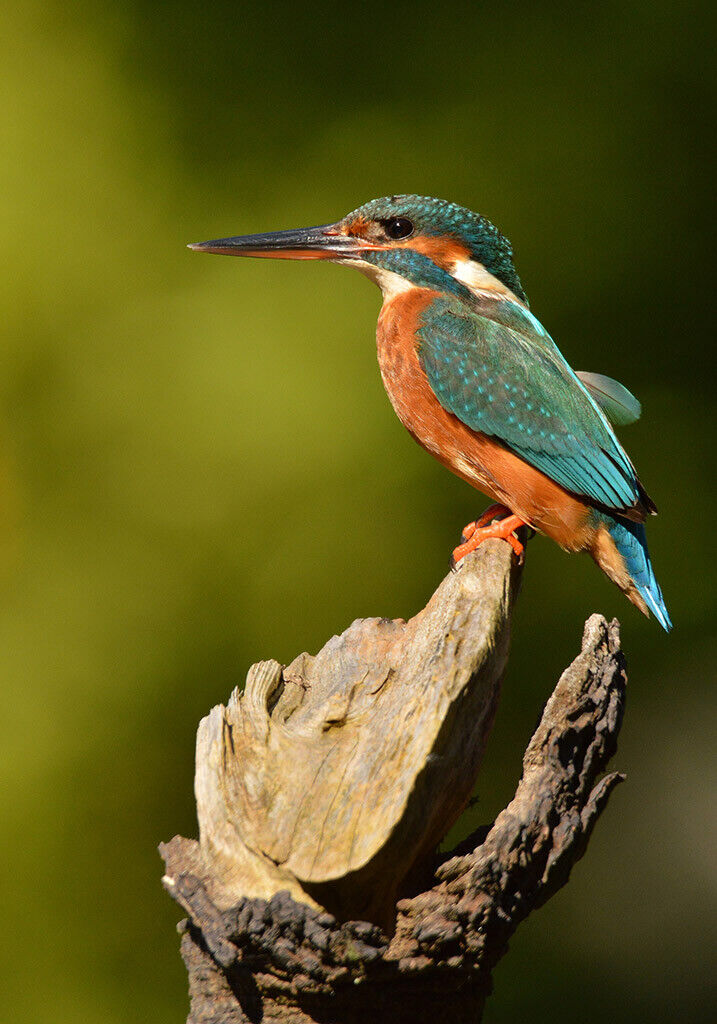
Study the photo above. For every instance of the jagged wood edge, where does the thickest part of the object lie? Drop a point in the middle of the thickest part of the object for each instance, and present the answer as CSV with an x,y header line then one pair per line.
x,y
453,934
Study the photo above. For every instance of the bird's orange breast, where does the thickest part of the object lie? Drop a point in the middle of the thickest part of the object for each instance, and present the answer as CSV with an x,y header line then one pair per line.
x,y
478,459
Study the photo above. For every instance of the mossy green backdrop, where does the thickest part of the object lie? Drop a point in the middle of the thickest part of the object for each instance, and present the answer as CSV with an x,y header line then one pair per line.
x,y
200,469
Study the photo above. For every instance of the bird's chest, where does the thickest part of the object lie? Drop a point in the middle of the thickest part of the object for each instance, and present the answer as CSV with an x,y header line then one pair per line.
x,y
403,377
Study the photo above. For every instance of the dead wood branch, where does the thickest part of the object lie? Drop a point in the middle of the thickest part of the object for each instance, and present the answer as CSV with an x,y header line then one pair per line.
x,y
314,893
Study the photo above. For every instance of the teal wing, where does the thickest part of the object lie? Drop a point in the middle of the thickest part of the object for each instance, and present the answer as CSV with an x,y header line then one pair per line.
x,y
500,373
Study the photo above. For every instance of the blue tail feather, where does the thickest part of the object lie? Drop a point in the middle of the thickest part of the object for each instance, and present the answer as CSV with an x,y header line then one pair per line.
x,y
631,542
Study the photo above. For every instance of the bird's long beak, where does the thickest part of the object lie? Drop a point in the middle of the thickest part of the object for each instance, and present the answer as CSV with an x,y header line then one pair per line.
x,y
325,242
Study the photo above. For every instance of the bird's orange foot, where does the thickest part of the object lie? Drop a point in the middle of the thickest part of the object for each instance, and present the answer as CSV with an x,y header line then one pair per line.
x,y
475,533
491,513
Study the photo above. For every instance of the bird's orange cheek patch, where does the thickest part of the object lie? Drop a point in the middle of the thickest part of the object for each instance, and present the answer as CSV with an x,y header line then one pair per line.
x,y
444,252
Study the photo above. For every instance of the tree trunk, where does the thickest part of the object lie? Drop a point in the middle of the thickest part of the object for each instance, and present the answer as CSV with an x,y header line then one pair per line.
x,y
314,893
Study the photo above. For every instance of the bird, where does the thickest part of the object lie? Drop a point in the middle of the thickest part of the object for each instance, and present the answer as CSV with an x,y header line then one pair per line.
x,y
479,383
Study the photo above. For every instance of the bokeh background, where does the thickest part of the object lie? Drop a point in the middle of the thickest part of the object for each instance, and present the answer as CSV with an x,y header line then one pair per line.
x,y
199,467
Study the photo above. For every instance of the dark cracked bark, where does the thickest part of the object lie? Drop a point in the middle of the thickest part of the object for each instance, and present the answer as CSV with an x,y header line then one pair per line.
x,y
284,958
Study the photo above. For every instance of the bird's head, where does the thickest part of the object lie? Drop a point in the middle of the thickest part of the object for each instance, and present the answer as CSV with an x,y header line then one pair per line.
x,y
400,242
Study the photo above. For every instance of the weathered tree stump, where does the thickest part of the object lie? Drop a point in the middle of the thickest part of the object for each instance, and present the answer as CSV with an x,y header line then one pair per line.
x,y
314,892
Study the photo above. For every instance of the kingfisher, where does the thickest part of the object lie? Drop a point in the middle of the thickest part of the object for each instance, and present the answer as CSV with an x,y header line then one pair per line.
x,y
480,384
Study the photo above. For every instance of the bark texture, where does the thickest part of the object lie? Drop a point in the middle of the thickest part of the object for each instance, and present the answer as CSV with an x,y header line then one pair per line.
x,y
314,893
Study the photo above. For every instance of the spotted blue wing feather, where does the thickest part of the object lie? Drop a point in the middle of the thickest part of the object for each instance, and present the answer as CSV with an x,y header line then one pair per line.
x,y
499,372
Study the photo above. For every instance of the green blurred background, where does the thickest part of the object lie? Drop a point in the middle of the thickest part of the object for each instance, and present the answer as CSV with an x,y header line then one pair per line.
x,y
200,468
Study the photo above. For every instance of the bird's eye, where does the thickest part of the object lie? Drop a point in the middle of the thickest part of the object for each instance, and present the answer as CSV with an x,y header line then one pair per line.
x,y
398,227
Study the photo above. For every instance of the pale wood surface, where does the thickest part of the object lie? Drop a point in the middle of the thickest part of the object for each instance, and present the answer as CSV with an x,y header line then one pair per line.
x,y
355,762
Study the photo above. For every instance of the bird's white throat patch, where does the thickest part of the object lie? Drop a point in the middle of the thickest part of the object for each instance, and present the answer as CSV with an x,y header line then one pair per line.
x,y
390,283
